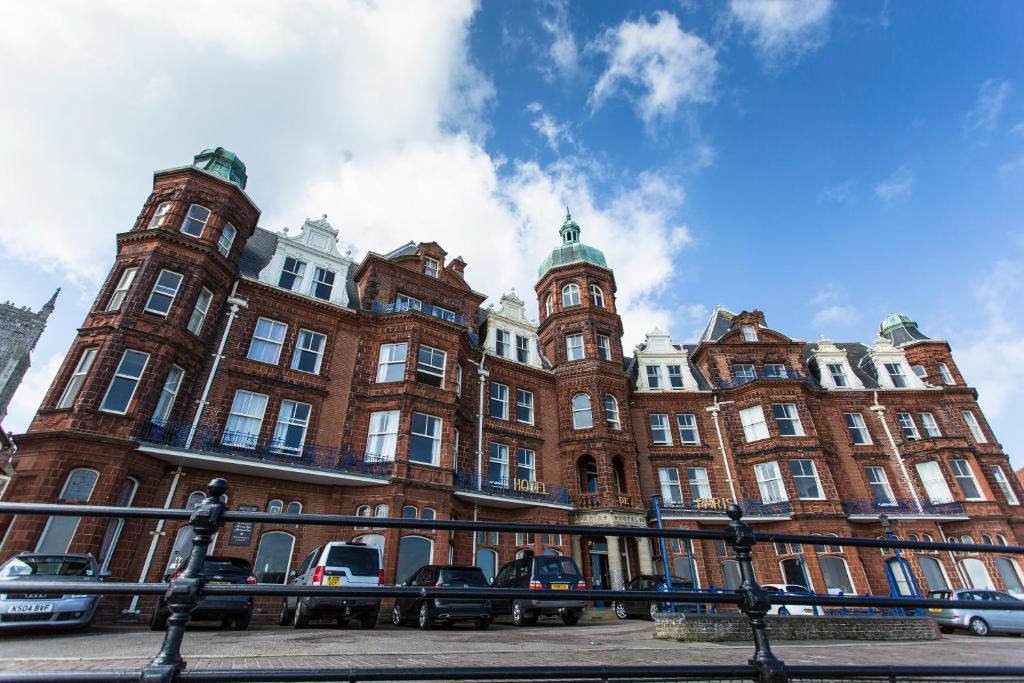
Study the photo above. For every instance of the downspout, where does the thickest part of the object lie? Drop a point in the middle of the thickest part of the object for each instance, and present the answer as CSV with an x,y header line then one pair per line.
x,y
236,303
483,374
714,409
879,410
133,608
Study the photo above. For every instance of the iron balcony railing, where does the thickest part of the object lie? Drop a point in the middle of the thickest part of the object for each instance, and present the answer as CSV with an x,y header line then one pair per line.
x,y
520,489
901,506
262,449
421,306
719,507
761,373
185,591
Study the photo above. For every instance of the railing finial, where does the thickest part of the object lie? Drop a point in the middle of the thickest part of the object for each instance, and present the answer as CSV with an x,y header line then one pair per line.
x,y
735,512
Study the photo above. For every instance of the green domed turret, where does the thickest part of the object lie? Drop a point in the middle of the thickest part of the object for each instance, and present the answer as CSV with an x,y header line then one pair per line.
x,y
900,329
571,250
221,162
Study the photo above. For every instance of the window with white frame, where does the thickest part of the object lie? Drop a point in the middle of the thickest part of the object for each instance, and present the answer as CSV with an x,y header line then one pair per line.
x,y
227,238
526,464
549,307
661,435
391,364
611,413
687,424
919,371
907,426
458,379
965,478
199,311
787,419
1004,484
245,419
754,426
160,215
775,370
596,296
837,371
574,347
896,375
582,415
309,352
499,401
497,464
858,429
769,482
524,406
168,393
121,291
675,376
805,478
743,372
267,340
700,486
944,373
654,376
425,439
290,431
503,343
67,399
382,437
164,291
570,295
430,366
522,349
930,426
126,380
195,220
604,347
431,266
972,424
749,333
671,491
323,283
934,483
879,484
291,274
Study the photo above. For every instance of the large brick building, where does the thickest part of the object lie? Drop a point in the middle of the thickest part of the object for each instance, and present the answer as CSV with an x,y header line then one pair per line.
x,y
382,388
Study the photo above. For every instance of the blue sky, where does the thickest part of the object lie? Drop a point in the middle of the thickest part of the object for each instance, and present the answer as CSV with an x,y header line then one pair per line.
x,y
825,162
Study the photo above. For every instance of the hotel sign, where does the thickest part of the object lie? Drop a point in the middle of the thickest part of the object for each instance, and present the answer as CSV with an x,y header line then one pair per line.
x,y
530,486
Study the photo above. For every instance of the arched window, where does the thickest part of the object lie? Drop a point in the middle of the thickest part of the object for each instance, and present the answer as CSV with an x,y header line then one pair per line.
x,y
273,557
793,572
521,552
383,510
582,416
409,512
571,295
413,553
901,575
913,537
596,296
1002,539
294,507
620,475
428,513
183,539
363,511
487,560
986,539
976,574
927,538
588,475
611,412
59,531
966,539
113,534
275,506
836,575
1009,572
549,307
934,576
731,574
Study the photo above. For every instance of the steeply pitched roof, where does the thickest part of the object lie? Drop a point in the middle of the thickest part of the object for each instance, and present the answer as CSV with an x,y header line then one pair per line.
x,y
718,324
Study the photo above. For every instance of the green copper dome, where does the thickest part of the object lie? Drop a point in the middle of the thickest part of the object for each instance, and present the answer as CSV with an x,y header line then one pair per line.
x,y
221,162
900,329
571,250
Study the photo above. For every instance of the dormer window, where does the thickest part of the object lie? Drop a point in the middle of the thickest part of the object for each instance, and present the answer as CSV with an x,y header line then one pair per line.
x,y
502,343
227,238
430,266
596,296
896,375
291,274
571,295
522,349
838,374
947,377
323,283
749,333
160,215
675,376
653,376
195,220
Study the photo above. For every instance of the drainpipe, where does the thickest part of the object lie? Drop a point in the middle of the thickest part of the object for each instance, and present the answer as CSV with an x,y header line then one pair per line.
x,y
714,409
879,410
483,374
133,608
236,303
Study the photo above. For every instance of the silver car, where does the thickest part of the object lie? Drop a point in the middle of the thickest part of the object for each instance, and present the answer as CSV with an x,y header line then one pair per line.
x,y
980,621
53,610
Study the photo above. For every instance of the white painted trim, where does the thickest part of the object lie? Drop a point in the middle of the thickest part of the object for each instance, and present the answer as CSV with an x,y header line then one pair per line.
x,y
510,502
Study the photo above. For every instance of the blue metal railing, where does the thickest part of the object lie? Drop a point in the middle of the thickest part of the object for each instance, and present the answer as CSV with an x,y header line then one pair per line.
x,y
761,373
714,507
527,491
901,506
239,444
421,306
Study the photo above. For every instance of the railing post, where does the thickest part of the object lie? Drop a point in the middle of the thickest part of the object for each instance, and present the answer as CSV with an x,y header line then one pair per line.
x,y
755,602
185,591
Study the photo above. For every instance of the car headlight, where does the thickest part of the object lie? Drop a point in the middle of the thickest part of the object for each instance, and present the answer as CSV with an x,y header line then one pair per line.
x,y
3,596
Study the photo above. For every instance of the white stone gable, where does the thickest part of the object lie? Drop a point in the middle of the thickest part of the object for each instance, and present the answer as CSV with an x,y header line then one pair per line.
x,y
882,352
510,317
827,353
315,247
660,353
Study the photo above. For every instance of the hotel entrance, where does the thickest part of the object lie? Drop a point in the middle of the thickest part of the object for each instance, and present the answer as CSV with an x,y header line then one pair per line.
x,y
598,569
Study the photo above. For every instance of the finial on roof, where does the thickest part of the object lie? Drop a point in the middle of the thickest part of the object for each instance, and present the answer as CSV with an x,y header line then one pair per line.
x,y
324,216
568,216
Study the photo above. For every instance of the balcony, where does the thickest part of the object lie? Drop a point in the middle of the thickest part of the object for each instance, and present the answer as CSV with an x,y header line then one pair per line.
x,y
234,452
776,375
861,509
514,493
714,509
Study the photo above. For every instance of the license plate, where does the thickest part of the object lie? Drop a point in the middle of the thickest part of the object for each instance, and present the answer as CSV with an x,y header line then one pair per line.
x,y
333,580
559,586
934,609
218,583
43,608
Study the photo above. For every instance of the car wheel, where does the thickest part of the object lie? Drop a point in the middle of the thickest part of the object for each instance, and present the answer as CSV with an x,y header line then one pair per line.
x,y
396,616
241,623
285,617
620,611
369,620
301,618
570,617
979,626
158,622
482,624
946,629
518,614
424,618
654,610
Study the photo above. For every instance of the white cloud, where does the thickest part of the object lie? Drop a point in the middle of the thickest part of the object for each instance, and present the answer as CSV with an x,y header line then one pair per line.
x,y
553,132
839,193
561,50
783,30
1012,166
835,316
830,292
657,65
31,391
988,106
895,186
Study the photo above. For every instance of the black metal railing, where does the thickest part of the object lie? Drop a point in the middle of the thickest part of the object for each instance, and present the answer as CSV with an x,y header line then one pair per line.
x,y
719,507
184,591
520,489
901,506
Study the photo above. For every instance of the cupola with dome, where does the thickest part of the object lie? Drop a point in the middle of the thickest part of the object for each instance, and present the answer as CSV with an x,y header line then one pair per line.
x,y
571,250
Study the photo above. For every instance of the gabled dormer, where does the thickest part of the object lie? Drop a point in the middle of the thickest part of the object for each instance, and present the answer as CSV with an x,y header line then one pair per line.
x,y
510,334
663,366
309,263
834,366
891,366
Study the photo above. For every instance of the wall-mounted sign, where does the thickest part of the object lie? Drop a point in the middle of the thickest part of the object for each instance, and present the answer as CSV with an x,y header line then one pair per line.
x,y
529,486
241,532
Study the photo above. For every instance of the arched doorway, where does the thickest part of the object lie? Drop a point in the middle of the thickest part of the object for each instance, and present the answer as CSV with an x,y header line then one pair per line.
x,y
586,468
413,553
273,557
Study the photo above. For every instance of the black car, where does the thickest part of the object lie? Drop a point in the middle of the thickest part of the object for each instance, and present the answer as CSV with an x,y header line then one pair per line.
x,y
624,609
430,611
232,611
541,572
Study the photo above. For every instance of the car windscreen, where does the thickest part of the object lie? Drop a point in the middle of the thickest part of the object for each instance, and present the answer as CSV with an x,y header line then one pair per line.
x,y
940,595
227,567
554,566
48,565
360,560
463,578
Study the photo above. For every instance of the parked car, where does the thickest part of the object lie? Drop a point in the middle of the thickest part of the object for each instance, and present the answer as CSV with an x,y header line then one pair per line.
x,y
430,611
980,621
338,563
540,572
232,611
53,610
789,589
625,609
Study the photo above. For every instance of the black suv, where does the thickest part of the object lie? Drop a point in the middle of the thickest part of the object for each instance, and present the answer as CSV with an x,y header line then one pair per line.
x,y
430,611
625,609
541,572
234,611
